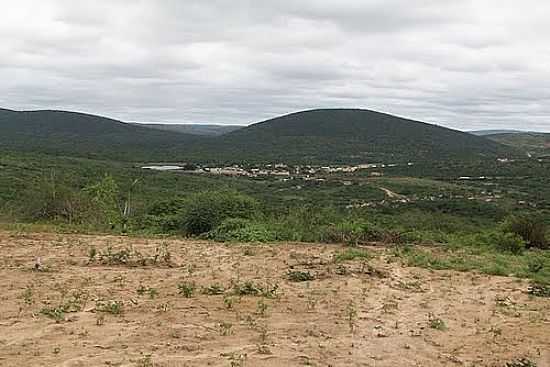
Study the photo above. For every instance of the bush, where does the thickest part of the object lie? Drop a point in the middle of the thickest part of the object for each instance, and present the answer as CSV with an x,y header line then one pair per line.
x,y
206,210
54,201
165,214
241,230
503,241
352,233
531,228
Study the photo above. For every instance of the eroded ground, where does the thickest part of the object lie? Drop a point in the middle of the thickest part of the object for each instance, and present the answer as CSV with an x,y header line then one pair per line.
x,y
86,306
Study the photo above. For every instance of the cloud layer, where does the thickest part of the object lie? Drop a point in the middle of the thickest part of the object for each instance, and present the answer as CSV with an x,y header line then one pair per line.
x,y
463,64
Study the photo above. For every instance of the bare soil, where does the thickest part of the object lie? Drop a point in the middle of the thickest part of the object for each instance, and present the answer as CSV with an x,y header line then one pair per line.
x,y
353,313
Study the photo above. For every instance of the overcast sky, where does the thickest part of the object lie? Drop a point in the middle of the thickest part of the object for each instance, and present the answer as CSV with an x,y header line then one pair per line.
x,y
463,64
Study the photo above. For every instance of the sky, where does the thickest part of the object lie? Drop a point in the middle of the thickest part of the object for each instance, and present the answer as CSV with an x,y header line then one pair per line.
x,y
465,64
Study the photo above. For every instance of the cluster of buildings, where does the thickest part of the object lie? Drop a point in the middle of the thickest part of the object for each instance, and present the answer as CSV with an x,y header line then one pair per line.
x,y
273,170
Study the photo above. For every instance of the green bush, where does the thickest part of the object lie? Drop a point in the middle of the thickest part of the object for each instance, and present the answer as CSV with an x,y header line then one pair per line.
x,y
241,230
351,232
165,214
206,210
531,228
503,241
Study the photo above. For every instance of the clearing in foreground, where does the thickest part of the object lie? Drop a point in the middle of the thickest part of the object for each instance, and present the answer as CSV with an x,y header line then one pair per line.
x,y
122,301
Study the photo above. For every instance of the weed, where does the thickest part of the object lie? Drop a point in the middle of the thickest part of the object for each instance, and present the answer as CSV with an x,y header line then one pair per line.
x,y
213,290
112,307
436,323
55,313
153,292
300,276
248,288
187,289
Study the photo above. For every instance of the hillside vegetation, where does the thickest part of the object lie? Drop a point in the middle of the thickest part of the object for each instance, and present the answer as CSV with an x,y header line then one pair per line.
x,y
317,136
346,135
73,133
533,143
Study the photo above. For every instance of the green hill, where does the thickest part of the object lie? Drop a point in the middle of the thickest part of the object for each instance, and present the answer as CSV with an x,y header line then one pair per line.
x,y
316,136
74,133
348,135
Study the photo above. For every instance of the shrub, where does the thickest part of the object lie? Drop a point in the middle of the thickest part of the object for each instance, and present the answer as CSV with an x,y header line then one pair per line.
x,y
352,233
531,228
241,230
166,214
504,241
206,210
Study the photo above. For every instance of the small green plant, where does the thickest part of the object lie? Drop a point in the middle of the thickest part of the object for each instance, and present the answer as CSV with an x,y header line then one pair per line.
x,y
213,290
436,323
249,288
55,313
228,302
187,289
112,307
300,276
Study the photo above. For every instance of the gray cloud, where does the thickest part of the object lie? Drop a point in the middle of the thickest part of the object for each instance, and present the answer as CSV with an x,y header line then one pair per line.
x,y
463,64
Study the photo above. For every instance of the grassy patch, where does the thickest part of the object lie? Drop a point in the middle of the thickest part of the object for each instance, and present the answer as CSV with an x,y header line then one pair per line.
x,y
530,264
352,254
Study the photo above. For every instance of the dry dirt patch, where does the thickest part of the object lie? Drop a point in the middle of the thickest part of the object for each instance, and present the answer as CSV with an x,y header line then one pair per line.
x,y
122,301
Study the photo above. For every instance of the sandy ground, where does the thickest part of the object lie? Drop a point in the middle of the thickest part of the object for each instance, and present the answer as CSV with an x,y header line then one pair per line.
x,y
354,313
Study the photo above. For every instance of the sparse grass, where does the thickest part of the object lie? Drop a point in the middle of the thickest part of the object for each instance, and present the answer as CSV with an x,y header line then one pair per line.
x,y
350,254
533,265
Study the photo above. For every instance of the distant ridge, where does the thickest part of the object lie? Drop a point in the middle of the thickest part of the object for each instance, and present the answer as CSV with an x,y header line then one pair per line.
x,y
314,136
194,129
75,133
495,131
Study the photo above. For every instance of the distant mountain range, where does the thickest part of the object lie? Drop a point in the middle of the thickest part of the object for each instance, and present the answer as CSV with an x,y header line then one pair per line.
x,y
315,136
494,132
194,129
